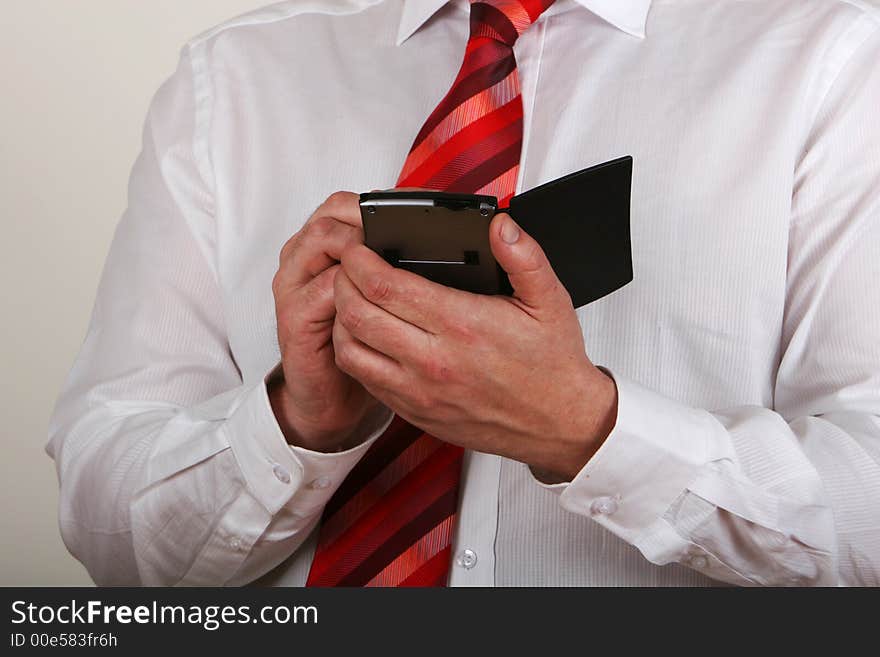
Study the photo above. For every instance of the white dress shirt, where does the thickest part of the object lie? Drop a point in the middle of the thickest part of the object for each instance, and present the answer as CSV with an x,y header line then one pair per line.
x,y
746,351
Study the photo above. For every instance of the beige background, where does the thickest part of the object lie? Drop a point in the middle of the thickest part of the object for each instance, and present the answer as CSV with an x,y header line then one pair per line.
x,y
77,77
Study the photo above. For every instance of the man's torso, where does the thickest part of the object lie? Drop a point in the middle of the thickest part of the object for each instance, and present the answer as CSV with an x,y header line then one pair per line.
x,y
714,105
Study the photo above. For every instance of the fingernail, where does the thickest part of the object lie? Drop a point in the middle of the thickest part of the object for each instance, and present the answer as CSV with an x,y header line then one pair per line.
x,y
510,231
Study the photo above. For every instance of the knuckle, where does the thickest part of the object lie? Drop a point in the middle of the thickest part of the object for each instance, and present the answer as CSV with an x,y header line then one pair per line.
x,y
378,289
318,227
323,226
277,284
337,199
351,318
338,204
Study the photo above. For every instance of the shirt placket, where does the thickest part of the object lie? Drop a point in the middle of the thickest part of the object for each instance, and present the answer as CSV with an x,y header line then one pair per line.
x,y
473,560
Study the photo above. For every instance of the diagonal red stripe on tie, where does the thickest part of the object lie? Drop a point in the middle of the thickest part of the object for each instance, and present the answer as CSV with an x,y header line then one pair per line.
x,y
473,136
481,53
392,474
405,536
489,170
399,436
470,111
480,80
428,482
489,20
536,7
432,573
477,166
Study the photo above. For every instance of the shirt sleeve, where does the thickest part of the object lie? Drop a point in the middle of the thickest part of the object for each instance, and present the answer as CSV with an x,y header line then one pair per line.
x,y
172,467
788,495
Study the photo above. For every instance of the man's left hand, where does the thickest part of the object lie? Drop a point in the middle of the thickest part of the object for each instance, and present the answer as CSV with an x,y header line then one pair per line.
x,y
500,375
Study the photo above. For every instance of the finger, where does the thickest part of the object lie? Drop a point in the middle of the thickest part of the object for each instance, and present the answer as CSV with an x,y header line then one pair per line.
x,y
339,208
314,300
342,206
376,327
364,363
534,282
308,311
413,298
318,246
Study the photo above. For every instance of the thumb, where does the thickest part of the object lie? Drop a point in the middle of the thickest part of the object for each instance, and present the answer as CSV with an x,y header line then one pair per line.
x,y
531,275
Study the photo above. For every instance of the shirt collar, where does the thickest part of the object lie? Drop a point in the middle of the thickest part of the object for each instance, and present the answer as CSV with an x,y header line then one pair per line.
x,y
629,16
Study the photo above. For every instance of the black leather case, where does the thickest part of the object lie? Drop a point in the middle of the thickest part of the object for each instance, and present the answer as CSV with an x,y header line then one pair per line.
x,y
582,221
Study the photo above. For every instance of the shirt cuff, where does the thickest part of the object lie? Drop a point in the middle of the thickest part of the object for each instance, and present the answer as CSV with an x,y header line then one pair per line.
x,y
280,475
656,449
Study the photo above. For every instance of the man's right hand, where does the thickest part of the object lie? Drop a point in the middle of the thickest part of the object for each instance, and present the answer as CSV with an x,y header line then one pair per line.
x,y
318,406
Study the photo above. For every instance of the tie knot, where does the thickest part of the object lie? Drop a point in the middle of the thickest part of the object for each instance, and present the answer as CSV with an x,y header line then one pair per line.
x,y
505,20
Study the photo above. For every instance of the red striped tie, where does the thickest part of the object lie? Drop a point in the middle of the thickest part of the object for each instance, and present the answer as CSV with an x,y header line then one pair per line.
x,y
392,520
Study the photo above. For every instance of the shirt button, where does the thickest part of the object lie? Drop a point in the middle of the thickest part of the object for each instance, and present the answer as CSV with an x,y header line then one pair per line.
x,y
467,559
281,474
699,562
321,483
604,506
